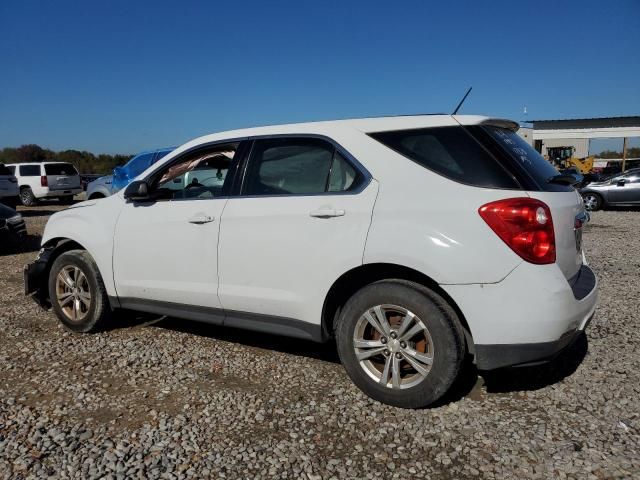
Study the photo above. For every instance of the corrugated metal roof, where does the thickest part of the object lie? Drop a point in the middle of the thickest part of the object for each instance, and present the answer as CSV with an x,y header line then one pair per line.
x,y
584,123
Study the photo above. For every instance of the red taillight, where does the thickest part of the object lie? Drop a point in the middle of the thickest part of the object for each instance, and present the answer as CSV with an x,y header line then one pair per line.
x,y
525,225
43,181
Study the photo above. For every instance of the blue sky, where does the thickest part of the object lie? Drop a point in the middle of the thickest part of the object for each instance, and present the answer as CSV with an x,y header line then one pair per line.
x,y
122,76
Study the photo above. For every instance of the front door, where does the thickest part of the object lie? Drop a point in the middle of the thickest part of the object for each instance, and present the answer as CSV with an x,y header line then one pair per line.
x,y
166,250
625,189
300,221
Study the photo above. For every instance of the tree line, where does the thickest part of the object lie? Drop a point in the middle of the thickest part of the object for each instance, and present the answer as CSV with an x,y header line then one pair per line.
x,y
85,162
633,152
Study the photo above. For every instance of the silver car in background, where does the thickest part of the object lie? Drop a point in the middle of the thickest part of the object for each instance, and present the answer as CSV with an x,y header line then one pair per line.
x,y
621,190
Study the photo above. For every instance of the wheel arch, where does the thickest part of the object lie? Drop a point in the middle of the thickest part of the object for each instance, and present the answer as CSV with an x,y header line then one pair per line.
x,y
355,279
51,250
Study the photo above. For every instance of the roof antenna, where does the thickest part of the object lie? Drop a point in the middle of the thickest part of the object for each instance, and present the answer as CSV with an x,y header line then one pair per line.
x,y
462,101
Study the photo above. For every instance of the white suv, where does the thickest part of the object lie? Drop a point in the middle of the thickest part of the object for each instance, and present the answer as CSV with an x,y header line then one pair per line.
x,y
410,240
43,180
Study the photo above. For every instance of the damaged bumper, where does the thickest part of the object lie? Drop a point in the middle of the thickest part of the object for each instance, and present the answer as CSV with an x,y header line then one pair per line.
x,y
35,278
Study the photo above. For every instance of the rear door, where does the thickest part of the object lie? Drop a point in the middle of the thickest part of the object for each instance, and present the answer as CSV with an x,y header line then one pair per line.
x,y
61,176
300,221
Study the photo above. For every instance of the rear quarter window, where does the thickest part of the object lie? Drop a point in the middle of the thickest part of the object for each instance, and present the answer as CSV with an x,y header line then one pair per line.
x,y
451,152
60,169
29,170
4,170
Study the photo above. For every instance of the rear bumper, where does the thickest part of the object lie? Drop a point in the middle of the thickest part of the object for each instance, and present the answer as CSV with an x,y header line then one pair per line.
x,y
529,317
62,193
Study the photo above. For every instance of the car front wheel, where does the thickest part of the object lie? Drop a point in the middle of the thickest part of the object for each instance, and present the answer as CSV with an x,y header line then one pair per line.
x,y
592,201
77,292
400,343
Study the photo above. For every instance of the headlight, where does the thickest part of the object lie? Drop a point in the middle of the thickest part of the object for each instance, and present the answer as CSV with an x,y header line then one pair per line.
x,y
15,219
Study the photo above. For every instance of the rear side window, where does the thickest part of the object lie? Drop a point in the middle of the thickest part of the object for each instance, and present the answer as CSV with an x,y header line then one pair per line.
x,y
451,152
60,169
30,170
4,170
298,166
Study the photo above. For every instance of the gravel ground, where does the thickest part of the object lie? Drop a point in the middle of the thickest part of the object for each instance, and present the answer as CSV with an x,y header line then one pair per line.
x,y
172,399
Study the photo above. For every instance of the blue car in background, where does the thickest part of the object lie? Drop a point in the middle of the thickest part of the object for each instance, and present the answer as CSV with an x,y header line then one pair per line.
x,y
122,176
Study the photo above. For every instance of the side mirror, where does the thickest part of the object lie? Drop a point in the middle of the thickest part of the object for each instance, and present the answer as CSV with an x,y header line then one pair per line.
x,y
621,182
137,191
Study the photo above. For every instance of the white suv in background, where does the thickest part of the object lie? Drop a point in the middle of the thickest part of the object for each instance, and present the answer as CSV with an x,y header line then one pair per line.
x,y
8,186
413,241
41,180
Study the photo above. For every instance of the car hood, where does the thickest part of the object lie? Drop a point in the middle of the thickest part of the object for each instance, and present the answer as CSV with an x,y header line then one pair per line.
x,y
107,179
6,212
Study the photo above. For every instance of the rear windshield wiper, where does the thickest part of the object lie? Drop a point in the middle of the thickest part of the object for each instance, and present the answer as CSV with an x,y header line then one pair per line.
x,y
563,179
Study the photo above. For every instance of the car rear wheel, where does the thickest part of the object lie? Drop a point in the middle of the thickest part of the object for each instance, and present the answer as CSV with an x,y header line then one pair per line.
x,y
592,201
400,343
77,292
27,197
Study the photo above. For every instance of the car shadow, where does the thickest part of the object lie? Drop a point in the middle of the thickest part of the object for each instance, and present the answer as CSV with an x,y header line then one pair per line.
x,y
540,376
293,346
468,384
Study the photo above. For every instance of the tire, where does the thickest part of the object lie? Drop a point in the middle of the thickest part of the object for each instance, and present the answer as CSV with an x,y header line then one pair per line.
x,y
443,342
592,201
89,318
95,196
27,197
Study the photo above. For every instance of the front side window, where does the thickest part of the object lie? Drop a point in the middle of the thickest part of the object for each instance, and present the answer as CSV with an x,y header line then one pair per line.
x,y
297,166
30,170
199,175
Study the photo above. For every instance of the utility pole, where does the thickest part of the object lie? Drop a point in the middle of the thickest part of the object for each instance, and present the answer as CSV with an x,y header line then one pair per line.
x,y
624,153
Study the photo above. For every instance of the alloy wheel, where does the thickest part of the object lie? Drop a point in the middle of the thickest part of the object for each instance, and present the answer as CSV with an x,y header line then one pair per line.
x,y
590,202
393,346
73,293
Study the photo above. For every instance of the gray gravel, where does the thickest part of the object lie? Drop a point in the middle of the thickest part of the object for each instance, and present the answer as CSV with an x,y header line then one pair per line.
x,y
172,399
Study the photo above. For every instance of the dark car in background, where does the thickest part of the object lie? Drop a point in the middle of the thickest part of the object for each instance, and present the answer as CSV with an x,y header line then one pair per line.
x,y
12,227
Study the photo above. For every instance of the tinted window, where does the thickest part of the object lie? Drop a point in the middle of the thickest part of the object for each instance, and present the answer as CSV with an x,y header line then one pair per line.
x,y
524,158
451,152
292,166
60,169
30,170
12,169
4,170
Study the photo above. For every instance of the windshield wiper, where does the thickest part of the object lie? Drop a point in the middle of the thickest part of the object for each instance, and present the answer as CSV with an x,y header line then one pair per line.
x,y
563,179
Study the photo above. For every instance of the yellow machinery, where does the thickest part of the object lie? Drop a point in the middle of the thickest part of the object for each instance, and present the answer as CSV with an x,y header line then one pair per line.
x,y
562,157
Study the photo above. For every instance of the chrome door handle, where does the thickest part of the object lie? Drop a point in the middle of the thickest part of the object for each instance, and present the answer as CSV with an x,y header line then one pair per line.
x,y
326,213
200,218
